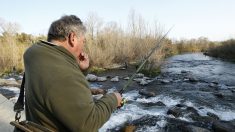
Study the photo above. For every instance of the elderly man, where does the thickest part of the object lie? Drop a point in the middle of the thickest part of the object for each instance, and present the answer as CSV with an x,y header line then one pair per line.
x,y
56,92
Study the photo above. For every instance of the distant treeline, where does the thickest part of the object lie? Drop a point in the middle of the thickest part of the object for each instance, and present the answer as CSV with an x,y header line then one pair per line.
x,y
107,43
225,50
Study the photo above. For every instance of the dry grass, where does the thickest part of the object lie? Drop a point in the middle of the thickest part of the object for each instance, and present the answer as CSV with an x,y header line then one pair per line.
x,y
11,55
110,49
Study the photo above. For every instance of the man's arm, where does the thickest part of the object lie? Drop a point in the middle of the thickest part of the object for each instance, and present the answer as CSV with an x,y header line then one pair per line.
x,y
72,104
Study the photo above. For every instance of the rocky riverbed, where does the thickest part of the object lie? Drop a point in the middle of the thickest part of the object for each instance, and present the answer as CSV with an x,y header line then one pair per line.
x,y
194,93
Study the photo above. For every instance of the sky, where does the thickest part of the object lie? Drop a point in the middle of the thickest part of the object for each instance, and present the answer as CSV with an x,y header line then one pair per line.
x,y
214,19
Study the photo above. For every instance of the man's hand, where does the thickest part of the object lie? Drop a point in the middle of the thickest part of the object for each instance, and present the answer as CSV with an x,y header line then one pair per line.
x,y
119,98
83,61
98,91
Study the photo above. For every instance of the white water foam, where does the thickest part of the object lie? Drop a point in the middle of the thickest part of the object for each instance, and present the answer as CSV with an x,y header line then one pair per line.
x,y
167,100
132,112
223,114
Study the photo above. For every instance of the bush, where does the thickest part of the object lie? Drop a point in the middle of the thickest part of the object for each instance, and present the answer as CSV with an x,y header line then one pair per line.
x,y
226,50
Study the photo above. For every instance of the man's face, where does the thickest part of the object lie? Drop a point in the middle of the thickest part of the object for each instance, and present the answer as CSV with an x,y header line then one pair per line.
x,y
80,42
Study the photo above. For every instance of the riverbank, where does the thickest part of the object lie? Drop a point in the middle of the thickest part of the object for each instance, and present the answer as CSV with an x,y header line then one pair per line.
x,y
225,51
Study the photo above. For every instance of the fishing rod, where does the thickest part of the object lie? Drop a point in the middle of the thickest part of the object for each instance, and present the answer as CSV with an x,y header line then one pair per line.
x,y
158,45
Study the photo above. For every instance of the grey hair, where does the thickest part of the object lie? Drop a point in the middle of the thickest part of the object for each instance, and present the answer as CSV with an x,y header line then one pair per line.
x,y
60,29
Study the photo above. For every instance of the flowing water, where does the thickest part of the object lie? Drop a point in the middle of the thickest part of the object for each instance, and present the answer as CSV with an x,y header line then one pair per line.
x,y
194,80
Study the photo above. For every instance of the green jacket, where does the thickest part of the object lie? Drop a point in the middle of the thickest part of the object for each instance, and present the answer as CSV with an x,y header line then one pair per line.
x,y
57,94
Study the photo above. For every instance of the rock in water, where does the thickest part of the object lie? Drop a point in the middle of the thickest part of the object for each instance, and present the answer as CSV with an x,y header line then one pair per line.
x,y
126,78
223,126
175,111
115,79
11,83
214,116
192,128
146,93
164,81
91,77
143,82
149,104
101,79
139,75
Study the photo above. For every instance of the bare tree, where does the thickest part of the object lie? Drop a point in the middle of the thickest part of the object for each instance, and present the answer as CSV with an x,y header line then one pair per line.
x,y
94,24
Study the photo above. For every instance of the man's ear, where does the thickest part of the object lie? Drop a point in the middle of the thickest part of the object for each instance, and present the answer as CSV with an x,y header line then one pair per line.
x,y
71,39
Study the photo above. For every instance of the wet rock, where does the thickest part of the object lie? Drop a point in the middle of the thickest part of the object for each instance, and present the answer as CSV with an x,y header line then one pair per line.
x,y
215,82
192,110
214,116
96,91
175,111
115,79
200,108
139,75
184,71
126,78
143,82
10,83
174,125
159,103
219,95
223,126
91,77
186,79
192,128
181,105
138,80
7,93
147,120
149,104
204,120
165,81
147,93
101,79
182,111
13,75
193,79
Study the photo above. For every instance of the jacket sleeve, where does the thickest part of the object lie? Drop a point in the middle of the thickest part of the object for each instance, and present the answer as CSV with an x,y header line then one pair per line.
x,y
71,102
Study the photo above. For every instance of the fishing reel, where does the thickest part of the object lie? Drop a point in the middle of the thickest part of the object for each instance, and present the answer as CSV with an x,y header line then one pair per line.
x,y
123,102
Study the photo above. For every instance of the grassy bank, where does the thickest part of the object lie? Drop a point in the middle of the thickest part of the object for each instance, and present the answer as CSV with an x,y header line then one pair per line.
x,y
226,50
11,54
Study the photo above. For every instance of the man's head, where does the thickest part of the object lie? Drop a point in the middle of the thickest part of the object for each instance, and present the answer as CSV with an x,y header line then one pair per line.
x,y
68,32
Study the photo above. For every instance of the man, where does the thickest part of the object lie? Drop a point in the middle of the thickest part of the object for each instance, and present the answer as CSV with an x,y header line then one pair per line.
x,y
56,92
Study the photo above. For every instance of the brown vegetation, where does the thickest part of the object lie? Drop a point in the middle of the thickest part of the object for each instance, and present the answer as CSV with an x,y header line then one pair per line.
x,y
226,50
194,45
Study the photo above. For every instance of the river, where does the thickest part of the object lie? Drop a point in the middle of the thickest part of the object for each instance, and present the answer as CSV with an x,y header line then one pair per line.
x,y
203,84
